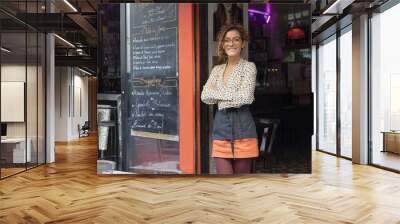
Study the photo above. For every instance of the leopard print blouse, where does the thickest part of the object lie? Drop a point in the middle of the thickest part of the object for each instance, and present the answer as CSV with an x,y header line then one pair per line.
x,y
239,87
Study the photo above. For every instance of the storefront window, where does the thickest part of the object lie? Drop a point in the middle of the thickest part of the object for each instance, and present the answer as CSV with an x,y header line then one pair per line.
x,y
327,96
385,89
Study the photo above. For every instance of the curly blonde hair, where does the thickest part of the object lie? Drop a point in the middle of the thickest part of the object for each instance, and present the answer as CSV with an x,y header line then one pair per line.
x,y
244,35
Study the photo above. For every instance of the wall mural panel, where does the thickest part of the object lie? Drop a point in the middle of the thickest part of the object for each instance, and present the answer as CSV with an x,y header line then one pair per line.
x,y
138,119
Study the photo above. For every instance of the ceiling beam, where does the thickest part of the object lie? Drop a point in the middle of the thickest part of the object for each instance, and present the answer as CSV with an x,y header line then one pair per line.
x,y
337,7
84,61
84,24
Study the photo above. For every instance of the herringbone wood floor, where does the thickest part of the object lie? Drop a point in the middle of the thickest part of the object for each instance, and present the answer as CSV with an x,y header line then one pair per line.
x,y
69,191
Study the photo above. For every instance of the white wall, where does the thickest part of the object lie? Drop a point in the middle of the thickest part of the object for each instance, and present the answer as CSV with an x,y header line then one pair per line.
x,y
61,103
71,94
82,83
80,94
13,72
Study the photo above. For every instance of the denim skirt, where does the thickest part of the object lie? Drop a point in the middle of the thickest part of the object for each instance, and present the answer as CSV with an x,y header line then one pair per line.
x,y
234,134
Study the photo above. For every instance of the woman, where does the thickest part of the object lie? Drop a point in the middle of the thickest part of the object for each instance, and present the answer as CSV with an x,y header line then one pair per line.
x,y
231,86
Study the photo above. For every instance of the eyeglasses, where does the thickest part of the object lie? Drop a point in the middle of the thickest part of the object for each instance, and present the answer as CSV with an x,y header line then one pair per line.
x,y
235,40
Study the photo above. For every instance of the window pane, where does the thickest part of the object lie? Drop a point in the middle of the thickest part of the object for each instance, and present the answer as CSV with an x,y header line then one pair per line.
x,y
346,94
13,87
41,98
385,89
31,97
327,97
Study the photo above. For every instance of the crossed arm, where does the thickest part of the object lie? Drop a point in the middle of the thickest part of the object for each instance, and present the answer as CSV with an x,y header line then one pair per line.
x,y
211,94
237,95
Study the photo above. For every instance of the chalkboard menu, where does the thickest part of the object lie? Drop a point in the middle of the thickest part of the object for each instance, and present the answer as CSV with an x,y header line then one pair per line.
x,y
153,79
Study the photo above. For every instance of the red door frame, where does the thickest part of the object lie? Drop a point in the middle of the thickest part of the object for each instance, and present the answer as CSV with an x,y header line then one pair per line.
x,y
187,77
